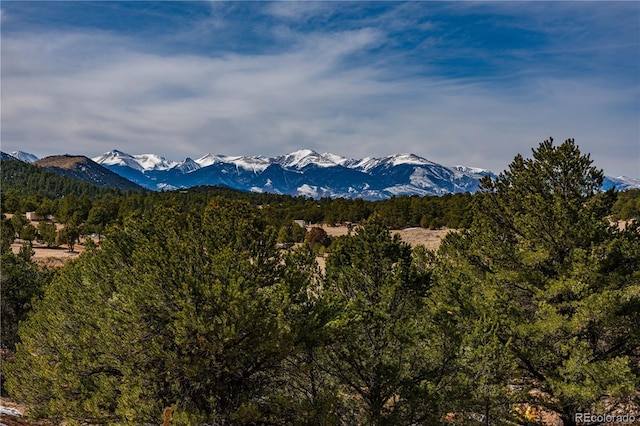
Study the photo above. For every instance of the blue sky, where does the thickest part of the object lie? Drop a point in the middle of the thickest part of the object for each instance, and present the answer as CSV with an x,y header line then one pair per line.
x,y
460,83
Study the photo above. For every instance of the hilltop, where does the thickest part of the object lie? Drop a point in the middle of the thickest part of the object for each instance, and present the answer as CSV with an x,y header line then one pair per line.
x,y
83,168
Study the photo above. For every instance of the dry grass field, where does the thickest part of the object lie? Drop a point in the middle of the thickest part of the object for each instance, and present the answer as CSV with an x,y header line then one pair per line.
x,y
57,257
430,238
51,257
46,256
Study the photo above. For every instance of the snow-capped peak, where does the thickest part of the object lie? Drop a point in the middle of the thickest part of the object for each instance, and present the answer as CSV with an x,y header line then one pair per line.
x,y
154,162
368,163
409,159
629,180
365,164
469,169
118,158
209,159
621,183
187,165
302,158
24,156
473,171
337,159
255,164
142,162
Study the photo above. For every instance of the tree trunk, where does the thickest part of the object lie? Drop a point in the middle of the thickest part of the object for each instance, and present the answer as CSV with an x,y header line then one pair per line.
x,y
487,422
568,419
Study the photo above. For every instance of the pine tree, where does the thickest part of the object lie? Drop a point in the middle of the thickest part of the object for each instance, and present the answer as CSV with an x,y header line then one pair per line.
x,y
176,310
68,235
21,283
306,392
7,234
47,233
386,349
553,282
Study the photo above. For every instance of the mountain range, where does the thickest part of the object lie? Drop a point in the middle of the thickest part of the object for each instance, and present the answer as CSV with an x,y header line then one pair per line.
x,y
304,172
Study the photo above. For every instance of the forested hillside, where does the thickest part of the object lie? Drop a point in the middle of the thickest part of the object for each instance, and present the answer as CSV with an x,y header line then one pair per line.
x,y
26,179
190,306
82,168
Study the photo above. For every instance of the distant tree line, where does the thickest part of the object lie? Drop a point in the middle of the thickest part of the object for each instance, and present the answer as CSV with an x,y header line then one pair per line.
x,y
627,205
534,308
30,188
91,209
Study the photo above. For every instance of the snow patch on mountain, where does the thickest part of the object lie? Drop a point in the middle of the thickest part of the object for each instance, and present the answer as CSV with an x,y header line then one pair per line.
x,y
621,183
337,159
315,191
166,187
24,156
399,190
302,158
209,159
118,158
187,166
420,178
308,191
254,164
398,159
154,162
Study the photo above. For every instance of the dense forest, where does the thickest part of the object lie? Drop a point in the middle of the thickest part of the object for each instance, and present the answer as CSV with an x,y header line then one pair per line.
x,y
190,312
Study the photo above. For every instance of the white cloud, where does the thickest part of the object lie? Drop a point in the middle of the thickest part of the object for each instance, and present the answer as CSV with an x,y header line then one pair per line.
x,y
59,95
300,10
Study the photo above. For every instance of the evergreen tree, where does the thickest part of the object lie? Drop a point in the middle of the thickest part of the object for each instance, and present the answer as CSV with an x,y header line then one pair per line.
x,y
47,233
28,233
627,205
97,220
317,237
68,235
7,233
18,222
21,283
552,283
385,350
306,393
175,310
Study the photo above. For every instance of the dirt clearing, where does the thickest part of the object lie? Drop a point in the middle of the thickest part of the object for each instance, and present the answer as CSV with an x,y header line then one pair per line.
x,y
430,238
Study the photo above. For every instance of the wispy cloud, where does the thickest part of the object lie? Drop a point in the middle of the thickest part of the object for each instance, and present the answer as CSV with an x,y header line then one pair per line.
x,y
301,10
347,88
